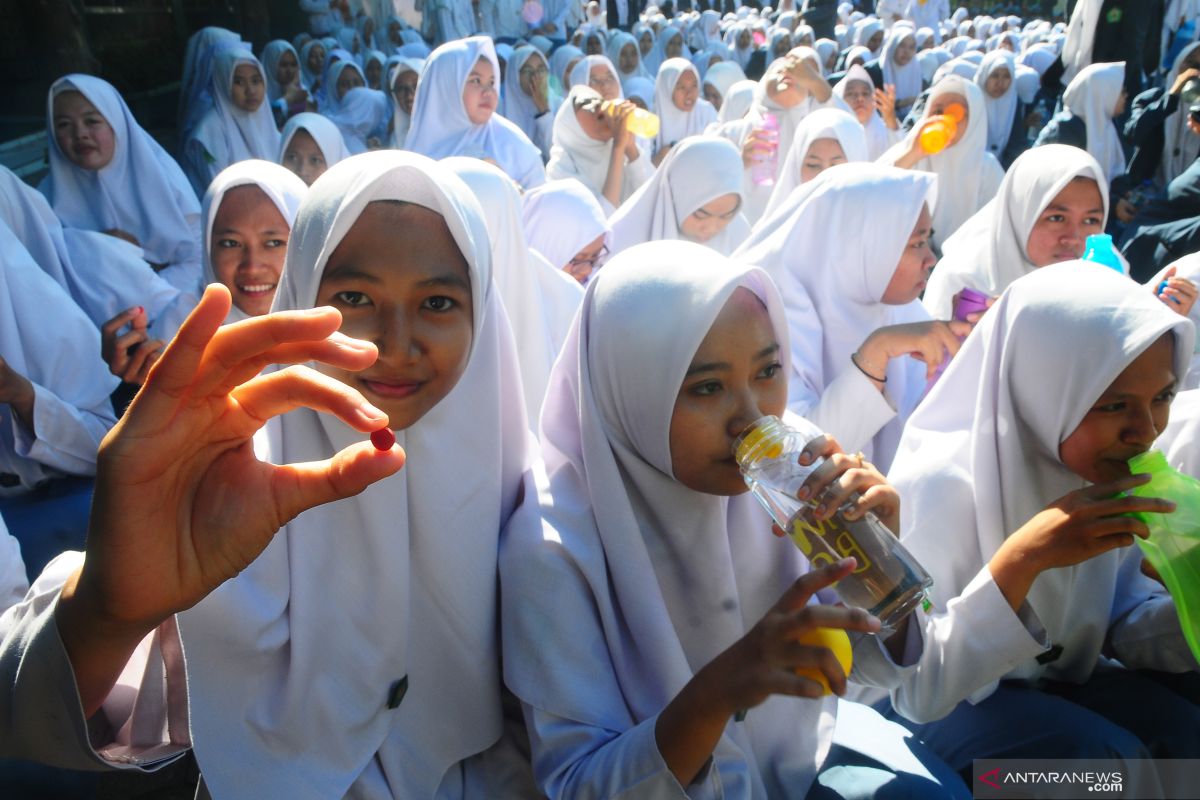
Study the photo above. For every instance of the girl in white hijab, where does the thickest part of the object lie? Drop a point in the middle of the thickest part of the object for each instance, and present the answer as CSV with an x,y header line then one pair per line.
x,y
195,91
540,299
1002,111
593,146
1097,96
695,195
528,102
310,145
650,566
454,113
281,65
566,226
682,111
668,44
562,63
403,77
238,126
599,73
1015,502
640,92
791,89
827,137
969,176
901,69
859,334
107,174
718,80
245,243
362,116
1050,201
624,54
54,385
736,103
397,671
858,92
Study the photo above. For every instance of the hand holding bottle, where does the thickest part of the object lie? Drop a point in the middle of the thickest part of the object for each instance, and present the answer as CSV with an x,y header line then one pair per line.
x,y
929,342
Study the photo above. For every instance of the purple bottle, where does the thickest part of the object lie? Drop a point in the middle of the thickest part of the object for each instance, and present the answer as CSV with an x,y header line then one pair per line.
x,y
969,302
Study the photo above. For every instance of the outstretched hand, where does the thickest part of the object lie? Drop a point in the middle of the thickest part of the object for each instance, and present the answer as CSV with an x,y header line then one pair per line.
x,y
181,502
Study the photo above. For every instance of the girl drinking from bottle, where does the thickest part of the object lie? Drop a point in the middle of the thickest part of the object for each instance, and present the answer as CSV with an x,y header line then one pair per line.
x,y
1014,478
672,611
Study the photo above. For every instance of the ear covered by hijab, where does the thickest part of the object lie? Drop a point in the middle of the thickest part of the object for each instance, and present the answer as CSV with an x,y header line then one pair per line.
x,y
281,186
313,636
322,130
980,456
665,576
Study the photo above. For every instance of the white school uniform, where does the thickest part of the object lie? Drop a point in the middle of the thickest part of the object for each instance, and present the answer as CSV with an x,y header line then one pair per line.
x,y
697,171
440,125
142,191
980,457
636,579
833,297
989,251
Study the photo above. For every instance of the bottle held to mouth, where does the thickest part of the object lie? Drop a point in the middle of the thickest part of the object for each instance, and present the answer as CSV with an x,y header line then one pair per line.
x,y
888,582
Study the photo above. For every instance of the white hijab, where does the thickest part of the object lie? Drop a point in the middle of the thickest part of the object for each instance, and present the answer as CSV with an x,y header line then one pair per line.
x,y
519,107
290,663
969,175
574,154
824,123
560,219
677,125
440,125
1002,110
1180,145
655,58
227,133
581,73
271,55
360,114
142,190
832,277
541,299
281,185
722,76
879,138
1092,96
980,457
737,102
907,79
671,577
617,41
401,119
103,274
322,130
195,91
989,251
1081,38
697,171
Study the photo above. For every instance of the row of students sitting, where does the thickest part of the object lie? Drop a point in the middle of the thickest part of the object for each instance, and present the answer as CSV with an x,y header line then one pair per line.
x,y
642,599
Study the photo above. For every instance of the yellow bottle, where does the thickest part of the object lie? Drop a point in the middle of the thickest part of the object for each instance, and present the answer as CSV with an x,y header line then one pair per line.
x,y
640,122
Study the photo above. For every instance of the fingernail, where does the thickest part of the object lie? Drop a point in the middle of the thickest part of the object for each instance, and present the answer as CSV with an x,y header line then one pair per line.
x,y
803,493
821,510
805,459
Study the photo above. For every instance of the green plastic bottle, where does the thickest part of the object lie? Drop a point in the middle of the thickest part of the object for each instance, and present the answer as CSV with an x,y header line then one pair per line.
x,y
1174,544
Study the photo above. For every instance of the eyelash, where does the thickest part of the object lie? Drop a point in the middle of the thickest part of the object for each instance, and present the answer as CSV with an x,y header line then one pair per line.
x,y
1112,408
710,388
451,304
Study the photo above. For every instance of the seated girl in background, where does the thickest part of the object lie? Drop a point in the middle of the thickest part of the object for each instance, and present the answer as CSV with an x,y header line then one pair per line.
x,y
695,194
564,224
863,347
651,569
107,174
454,113
683,111
310,145
238,126
827,137
1015,501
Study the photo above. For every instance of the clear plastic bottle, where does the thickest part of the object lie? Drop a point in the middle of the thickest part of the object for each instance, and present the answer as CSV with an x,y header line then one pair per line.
x,y
937,134
762,172
639,122
1174,544
1099,250
888,581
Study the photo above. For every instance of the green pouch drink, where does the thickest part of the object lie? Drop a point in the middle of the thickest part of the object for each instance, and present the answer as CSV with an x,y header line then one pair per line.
x,y
1174,544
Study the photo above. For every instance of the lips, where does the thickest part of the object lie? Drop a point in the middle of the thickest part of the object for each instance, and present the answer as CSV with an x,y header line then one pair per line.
x,y
393,388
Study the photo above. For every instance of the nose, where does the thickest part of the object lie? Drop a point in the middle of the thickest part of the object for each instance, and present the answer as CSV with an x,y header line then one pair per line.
x,y
397,338
1072,234
1139,426
747,408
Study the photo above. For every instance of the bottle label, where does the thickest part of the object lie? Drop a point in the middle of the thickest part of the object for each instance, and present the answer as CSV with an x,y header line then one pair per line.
x,y
833,542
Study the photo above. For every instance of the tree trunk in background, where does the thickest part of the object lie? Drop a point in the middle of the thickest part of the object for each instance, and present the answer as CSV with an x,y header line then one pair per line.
x,y
59,31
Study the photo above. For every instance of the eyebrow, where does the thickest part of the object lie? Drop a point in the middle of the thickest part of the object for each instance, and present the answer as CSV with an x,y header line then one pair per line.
x,y
455,281
349,272
1173,384
1057,207
268,232
715,366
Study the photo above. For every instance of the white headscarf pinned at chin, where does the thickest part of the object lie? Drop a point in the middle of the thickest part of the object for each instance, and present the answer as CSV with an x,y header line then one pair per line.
x,y
396,583
677,124
282,186
228,133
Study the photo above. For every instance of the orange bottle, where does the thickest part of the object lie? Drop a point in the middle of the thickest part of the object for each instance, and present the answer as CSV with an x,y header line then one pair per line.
x,y
936,134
